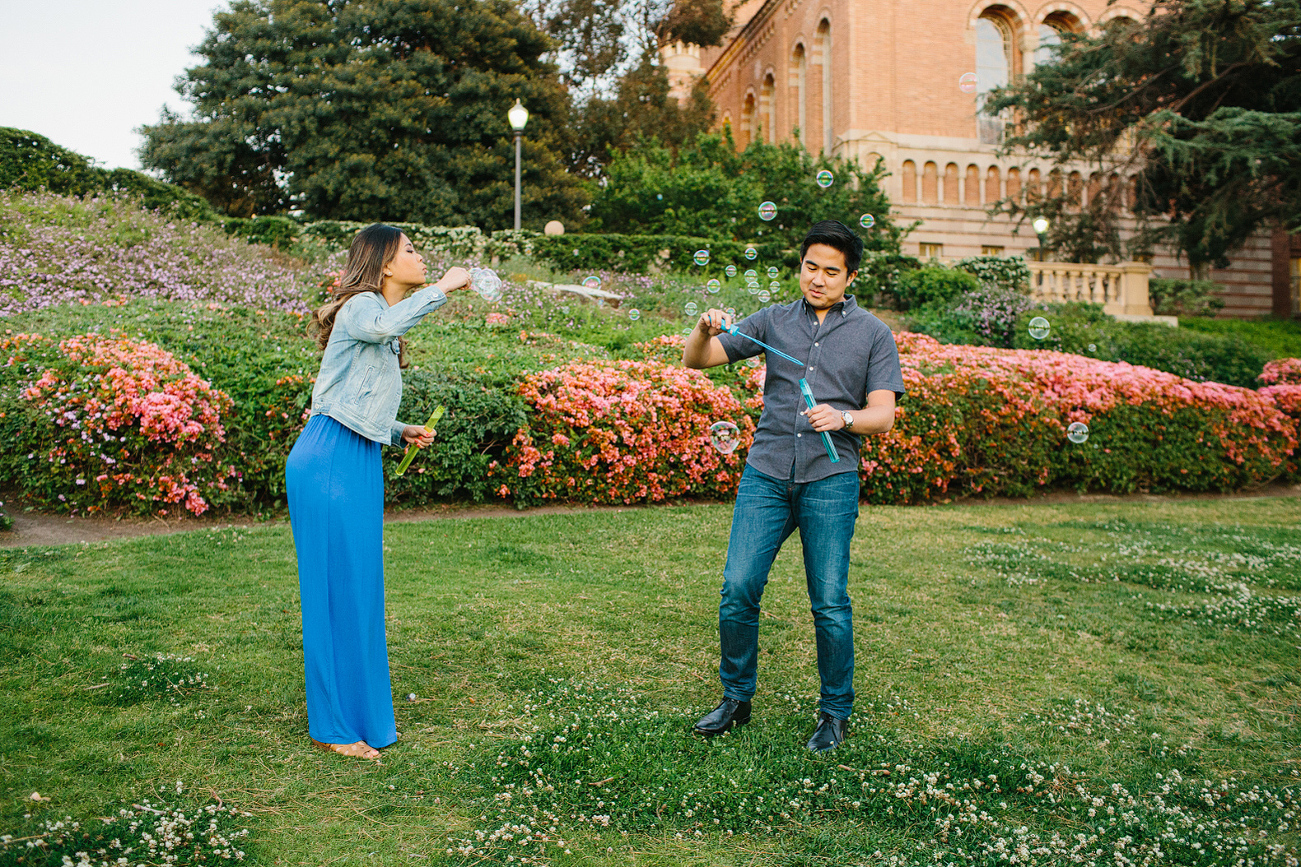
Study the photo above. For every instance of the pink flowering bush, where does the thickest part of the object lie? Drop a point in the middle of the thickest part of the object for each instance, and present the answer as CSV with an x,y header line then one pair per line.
x,y
1284,371
94,422
992,421
622,432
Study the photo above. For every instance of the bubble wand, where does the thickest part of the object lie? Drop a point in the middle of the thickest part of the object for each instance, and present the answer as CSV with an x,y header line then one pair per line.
x,y
804,387
413,448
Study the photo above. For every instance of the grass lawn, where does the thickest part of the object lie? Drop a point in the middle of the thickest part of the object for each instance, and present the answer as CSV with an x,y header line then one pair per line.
x,y
1057,680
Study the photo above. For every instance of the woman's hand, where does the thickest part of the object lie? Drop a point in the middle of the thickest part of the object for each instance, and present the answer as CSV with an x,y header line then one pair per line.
x,y
455,278
418,436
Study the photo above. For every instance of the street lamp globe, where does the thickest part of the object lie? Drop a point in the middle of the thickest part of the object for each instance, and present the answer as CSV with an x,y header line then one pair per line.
x,y
518,116
1040,225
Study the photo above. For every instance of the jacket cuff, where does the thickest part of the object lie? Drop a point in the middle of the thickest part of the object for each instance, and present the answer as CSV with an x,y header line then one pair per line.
x,y
395,435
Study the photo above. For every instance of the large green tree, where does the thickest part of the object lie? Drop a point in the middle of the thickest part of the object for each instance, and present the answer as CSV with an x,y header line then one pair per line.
x,y
707,188
1197,112
371,109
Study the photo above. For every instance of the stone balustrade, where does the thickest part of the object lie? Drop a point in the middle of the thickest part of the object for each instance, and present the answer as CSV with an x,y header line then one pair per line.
x,y
1120,289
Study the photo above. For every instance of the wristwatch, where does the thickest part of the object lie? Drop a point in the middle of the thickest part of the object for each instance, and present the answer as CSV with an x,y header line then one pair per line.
x,y
849,419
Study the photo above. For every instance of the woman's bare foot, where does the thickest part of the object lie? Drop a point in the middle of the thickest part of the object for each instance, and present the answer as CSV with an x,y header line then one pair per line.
x,y
359,750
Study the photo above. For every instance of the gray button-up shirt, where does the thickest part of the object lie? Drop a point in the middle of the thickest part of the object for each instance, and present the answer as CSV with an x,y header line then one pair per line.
x,y
849,354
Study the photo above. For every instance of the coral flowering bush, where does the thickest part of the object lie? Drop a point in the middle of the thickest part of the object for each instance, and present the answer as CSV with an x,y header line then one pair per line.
x,y
1284,371
97,422
622,432
991,421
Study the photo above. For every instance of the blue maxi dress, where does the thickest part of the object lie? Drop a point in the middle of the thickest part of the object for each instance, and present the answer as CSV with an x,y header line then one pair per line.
x,y
336,510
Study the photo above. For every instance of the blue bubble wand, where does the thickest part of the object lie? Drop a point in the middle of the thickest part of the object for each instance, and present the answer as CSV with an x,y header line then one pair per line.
x,y
804,387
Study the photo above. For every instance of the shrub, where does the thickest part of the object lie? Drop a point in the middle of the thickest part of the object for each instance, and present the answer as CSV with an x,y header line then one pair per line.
x,y
1281,338
1285,371
110,423
621,432
32,163
985,316
989,421
481,420
1185,297
1010,273
1201,357
932,285
63,250
653,252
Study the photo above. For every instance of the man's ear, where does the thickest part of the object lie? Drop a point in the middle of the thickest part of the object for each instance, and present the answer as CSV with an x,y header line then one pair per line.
x,y
850,280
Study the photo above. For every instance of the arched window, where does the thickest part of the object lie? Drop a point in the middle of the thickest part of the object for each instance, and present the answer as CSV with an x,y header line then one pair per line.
x,y
1074,190
995,66
823,45
767,112
1014,184
1055,184
1050,35
909,174
992,186
747,121
1033,186
799,81
930,183
951,184
971,189
1095,188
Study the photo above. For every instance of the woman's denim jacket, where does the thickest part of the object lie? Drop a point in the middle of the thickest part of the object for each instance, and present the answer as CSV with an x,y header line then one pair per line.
x,y
360,385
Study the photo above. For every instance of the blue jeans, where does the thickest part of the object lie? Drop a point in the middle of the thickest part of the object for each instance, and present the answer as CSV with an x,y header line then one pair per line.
x,y
767,511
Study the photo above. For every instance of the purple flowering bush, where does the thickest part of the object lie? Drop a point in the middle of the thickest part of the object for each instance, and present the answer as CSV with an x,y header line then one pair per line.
x,y
57,250
982,317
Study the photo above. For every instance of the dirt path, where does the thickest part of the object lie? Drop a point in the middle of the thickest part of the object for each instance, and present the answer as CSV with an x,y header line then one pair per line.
x,y
38,528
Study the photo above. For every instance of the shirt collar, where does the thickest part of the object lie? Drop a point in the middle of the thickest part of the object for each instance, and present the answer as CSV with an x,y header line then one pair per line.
x,y
844,307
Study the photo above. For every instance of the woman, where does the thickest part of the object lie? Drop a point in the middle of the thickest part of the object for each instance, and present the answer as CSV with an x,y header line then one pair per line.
x,y
336,486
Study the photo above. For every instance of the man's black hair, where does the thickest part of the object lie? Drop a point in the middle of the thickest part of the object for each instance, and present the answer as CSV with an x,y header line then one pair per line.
x,y
836,235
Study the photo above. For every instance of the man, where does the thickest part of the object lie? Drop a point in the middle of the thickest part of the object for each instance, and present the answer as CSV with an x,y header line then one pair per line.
x,y
852,367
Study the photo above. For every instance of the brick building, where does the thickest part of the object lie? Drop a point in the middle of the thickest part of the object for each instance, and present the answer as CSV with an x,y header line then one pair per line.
x,y
885,78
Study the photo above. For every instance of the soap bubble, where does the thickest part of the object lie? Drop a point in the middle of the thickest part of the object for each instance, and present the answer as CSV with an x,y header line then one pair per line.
x,y
767,211
765,296
686,332
659,197
753,288
751,274
634,314
773,272
730,270
485,282
411,696
751,253
725,436
867,221
1077,432
713,286
967,83
702,257
1093,348
825,179
592,282
1039,328
731,311
692,308
753,361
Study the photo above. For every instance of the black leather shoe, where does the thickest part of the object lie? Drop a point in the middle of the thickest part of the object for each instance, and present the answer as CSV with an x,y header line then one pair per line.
x,y
731,712
829,733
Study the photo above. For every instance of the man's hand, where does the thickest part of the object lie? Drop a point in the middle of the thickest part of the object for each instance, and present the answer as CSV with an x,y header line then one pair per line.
x,y
418,436
824,417
714,322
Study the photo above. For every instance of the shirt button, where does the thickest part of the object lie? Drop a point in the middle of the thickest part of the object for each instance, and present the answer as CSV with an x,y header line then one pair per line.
x,y
798,435
815,344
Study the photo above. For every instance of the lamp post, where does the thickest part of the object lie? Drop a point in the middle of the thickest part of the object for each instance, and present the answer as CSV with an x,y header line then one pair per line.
x,y
518,117
1041,229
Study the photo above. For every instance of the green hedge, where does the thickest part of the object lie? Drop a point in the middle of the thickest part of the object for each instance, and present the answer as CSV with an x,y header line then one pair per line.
x,y
1085,330
642,253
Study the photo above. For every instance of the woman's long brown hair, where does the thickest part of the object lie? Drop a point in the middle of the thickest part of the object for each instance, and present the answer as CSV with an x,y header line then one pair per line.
x,y
372,249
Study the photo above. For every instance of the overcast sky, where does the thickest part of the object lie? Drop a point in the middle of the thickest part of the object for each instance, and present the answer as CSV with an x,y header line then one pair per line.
x,y
86,73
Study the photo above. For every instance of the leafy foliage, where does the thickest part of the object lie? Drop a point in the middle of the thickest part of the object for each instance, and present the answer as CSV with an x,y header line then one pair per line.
x,y
357,110
31,162
1006,272
931,285
709,189
1200,105
985,316
1200,357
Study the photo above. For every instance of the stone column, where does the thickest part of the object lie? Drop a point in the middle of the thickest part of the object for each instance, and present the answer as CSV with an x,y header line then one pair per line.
x,y
1137,302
